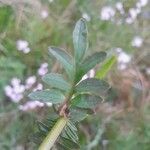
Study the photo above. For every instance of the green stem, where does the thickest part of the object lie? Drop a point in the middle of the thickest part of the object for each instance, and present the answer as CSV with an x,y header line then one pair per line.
x,y
52,136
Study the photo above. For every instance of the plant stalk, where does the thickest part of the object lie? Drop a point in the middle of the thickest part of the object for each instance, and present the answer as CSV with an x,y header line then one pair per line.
x,y
52,136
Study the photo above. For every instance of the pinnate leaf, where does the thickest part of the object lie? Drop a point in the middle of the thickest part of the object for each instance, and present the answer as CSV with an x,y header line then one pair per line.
x,y
67,144
92,85
86,101
70,133
78,114
57,81
42,127
89,63
64,58
93,60
52,95
80,40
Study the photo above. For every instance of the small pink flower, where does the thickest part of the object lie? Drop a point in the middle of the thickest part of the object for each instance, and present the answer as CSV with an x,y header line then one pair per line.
x,y
30,81
43,69
31,105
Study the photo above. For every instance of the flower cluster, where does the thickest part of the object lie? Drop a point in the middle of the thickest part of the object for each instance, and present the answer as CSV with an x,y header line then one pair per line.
x,y
137,41
44,14
43,69
23,46
122,58
108,12
31,105
15,90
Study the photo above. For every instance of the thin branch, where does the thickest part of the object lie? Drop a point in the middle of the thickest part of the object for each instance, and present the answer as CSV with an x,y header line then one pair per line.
x,y
52,136
96,140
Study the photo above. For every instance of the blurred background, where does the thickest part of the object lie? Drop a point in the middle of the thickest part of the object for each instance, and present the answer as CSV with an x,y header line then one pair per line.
x,y
119,27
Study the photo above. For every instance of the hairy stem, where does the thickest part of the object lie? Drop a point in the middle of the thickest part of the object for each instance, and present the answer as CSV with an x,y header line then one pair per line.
x,y
52,136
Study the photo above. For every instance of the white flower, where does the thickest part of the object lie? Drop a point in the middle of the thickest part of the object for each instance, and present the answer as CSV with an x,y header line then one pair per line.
x,y
26,50
137,41
15,90
30,81
15,81
43,69
133,13
16,97
119,7
143,2
138,10
123,59
138,5
129,20
8,90
22,45
86,16
19,89
44,65
30,105
107,13
44,14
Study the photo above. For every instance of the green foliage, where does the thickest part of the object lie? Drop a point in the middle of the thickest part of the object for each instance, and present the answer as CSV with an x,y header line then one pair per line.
x,y
9,68
57,81
5,17
92,85
80,40
68,138
106,66
77,114
23,21
64,58
82,104
86,101
89,63
52,95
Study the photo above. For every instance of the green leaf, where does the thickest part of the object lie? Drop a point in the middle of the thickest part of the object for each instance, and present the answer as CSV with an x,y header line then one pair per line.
x,y
71,125
42,127
64,58
93,60
67,144
70,134
106,67
37,137
92,85
77,114
52,95
86,101
80,40
89,63
56,80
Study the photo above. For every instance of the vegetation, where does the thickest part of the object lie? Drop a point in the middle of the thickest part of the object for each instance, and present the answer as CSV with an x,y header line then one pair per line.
x,y
120,119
